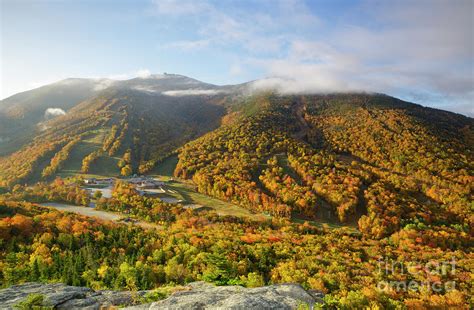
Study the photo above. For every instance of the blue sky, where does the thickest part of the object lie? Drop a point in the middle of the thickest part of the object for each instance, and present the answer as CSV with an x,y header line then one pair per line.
x,y
420,51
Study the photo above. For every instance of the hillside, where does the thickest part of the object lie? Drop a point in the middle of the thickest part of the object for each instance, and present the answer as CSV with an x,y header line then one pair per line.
x,y
129,124
348,271
21,114
324,190
26,115
365,160
390,163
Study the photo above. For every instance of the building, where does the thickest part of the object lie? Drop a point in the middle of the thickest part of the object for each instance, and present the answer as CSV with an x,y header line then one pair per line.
x,y
94,181
151,192
90,181
142,182
149,185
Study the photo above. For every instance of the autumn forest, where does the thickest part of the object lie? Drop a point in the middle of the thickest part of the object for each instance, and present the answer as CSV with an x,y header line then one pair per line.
x,y
331,188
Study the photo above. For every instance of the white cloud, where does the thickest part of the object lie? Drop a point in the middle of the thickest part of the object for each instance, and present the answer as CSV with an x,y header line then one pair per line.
x,y
102,84
403,47
297,14
53,112
143,73
147,89
140,73
191,92
420,51
229,25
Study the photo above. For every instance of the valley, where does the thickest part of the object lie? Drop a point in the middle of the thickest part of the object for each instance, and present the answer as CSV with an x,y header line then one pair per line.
x,y
165,180
205,154
297,157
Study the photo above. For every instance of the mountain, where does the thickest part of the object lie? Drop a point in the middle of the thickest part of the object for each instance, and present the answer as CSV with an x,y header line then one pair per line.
x,y
338,157
22,116
368,159
21,113
141,119
334,186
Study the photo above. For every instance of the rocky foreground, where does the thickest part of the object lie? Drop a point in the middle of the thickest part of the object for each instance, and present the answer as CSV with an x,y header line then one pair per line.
x,y
196,295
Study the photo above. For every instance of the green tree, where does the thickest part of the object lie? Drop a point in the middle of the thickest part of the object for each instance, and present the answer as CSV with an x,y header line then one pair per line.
x,y
219,270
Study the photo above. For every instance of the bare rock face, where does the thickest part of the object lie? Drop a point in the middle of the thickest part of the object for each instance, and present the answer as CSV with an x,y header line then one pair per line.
x,y
202,295
196,295
61,296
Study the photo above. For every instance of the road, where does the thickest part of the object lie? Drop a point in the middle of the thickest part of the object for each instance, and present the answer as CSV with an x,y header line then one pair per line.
x,y
103,215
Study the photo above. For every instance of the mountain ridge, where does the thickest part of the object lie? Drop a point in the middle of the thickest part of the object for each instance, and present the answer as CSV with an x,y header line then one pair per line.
x,y
28,116
248,88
